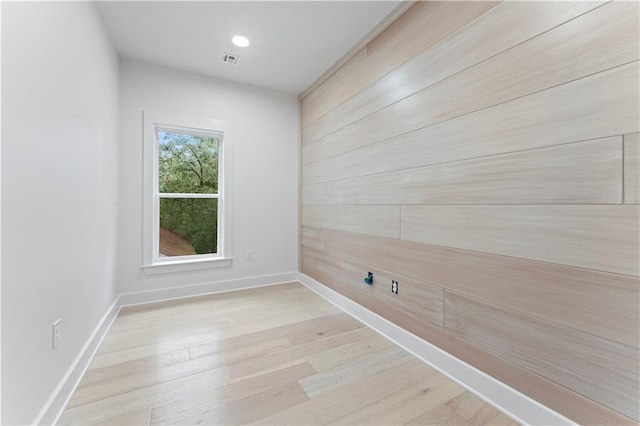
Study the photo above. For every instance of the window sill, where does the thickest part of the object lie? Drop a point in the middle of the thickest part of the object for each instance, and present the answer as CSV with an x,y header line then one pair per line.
x,y
186,265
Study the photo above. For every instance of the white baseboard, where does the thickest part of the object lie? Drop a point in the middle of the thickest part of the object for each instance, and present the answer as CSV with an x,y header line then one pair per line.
x,y
60,397
172,293
517,405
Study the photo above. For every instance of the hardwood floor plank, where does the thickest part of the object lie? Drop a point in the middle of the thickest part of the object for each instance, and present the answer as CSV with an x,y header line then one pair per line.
x,y
220,317
465,408
122,349
135,399
346,399
111,358
632,168
199,404
229,357
253,408
328,380
407,404
330,325
247,369
143,379
138,417
295,334
597,237
299,332
295,353
327,360
100,374
148,323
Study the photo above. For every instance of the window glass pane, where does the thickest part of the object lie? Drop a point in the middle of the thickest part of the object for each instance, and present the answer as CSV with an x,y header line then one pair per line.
x,y
188,226
188,164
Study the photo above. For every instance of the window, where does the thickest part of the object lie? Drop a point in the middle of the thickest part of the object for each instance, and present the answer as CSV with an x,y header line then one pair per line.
x,y
187,205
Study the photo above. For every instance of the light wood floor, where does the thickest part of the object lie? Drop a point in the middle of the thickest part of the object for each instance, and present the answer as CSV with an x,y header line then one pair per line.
x,y
273,355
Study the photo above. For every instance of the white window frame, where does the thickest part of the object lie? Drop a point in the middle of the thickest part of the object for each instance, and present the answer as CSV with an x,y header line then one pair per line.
x,y
153,123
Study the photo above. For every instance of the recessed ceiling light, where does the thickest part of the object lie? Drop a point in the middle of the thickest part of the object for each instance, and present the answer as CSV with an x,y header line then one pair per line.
x,y
240,41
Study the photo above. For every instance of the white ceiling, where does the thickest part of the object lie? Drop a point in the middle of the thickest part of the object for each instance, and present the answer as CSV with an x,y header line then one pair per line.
x,y
292,42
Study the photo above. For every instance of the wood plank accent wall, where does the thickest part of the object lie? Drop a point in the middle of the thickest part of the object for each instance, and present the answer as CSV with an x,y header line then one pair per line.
x,y
485,155
632,168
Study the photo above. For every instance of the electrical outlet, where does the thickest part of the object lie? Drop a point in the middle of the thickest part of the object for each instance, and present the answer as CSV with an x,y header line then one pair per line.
x,y
55,333
394,286
249,255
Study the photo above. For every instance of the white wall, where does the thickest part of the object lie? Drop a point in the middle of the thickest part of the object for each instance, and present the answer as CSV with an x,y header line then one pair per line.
x,y
265,170
59,193
0,222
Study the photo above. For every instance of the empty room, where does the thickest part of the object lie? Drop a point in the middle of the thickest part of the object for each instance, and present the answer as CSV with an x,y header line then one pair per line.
x,y
320,212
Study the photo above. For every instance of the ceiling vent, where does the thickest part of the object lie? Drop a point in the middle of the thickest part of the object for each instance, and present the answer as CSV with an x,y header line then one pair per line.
x,y
230,58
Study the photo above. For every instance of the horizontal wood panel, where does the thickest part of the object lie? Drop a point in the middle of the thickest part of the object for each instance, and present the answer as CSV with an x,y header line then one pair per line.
x,y
503,27
319,97
338,274
420,27
559,398
598,369
416,299
600,303
374,220
597,106
556,57
580,173
509,144
596,237
632,168
312,237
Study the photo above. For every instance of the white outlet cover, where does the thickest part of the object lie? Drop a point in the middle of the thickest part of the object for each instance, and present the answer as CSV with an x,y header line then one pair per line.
x,y
55,333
